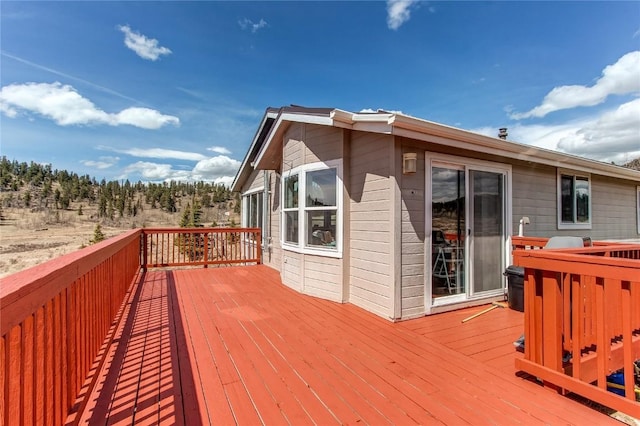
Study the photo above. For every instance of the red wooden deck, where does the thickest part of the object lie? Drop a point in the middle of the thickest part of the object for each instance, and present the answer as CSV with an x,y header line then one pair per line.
x,y
233,345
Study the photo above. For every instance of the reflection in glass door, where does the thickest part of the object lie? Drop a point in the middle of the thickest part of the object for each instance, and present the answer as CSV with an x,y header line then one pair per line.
x,y
487,230
448,224
468,231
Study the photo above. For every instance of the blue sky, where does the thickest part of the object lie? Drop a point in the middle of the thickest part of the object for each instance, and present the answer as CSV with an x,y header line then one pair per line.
x,y
154,91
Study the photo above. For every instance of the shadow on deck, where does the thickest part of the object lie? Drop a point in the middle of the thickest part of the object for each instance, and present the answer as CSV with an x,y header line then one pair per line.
x,y
235,346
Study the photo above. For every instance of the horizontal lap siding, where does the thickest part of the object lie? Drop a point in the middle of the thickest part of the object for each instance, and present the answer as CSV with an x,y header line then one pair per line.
x,y
314,275
614,208
613,204
292,270
413,225
534,195
322,143
293,147
255,181
323,277
370,210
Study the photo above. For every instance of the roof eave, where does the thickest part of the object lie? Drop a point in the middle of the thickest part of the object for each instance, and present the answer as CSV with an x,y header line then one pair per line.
x,y
245,167
515,150
268,156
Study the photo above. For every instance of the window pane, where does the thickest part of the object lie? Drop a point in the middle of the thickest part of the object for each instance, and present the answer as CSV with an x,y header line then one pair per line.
x,y
291,192
321,228
291,227
253,210
260,205
582,199
321,188
566,184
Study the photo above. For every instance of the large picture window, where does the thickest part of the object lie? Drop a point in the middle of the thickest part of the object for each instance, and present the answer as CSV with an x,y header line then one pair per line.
x,y
574,201
311,205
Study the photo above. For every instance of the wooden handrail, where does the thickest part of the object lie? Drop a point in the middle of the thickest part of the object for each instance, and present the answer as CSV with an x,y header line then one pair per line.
x,y
582,319
55,317
168,247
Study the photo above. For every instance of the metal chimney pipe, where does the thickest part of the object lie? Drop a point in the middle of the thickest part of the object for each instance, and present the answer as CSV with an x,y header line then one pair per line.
x,y
502,133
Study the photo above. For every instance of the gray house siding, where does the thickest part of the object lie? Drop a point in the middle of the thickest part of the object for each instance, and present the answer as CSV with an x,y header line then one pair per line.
x,y
371,249
613,211
384,266
614,208
413,239
311,274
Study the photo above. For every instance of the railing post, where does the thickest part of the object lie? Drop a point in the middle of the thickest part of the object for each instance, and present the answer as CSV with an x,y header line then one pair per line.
x,y
552,317
143,251
206,250
259,245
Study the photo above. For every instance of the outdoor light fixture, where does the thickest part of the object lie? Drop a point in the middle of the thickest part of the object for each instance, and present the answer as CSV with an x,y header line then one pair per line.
x,y
409,162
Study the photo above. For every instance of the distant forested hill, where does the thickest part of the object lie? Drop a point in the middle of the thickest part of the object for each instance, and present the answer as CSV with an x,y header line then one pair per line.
x,y
37,186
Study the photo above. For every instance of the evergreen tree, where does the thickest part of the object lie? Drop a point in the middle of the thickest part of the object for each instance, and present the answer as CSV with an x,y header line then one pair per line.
x,y
185,220
102,206
98,235
56,197
27,199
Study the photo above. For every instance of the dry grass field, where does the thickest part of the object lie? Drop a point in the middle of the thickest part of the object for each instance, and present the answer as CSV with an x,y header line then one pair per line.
x,y
30,237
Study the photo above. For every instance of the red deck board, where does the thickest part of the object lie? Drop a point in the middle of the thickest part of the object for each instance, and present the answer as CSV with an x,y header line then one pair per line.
x,y
234,345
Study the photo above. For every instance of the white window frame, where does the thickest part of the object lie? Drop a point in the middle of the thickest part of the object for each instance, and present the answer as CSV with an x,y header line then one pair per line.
x,y
302,209
574,224
246,207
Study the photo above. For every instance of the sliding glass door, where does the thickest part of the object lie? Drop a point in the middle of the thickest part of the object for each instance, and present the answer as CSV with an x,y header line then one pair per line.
x,y
448,230
487,230
468,211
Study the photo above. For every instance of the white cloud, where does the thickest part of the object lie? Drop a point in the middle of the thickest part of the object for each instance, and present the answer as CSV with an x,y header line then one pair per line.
x,y
614,136
64,105
617,79
158,153
146,48
215,168
398,12
219,150
145,118
220,169
154,171
248,24
103,163
611,136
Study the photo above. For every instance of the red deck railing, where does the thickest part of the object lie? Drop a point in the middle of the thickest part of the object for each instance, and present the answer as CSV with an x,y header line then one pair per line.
x,y
57,318
54,320
200,246
582,318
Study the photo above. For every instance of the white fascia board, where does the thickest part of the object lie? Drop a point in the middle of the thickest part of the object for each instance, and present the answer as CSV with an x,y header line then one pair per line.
x,y
280,125
450,136
365,122
340,116
245,161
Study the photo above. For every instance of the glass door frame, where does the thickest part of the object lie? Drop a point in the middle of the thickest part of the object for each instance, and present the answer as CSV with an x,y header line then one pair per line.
x,y
466,164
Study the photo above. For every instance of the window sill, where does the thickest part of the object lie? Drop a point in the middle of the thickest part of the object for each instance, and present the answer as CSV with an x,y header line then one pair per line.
x,y
567,226
334,253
